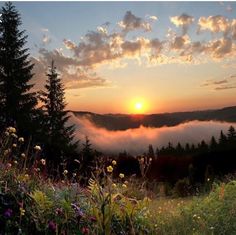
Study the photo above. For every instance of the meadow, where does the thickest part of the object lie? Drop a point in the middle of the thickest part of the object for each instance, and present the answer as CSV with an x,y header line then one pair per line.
x,y
32,202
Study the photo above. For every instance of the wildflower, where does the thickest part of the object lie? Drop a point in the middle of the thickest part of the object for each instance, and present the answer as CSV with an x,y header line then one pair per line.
x,y
211,228
37,169
85,230
114,185
208,179
26,176
22,155
93,219
58,211
22,211
14,145
9,165
8,213
6,152
15,162
21,140
7,133
37,148
114,162
11,129
109,169
124,185
126,182
14,135
150,159
74,174
194,215
43,162
79,213
121,175
52,225
65,172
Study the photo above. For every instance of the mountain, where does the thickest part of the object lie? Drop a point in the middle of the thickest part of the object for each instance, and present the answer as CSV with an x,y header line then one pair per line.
x,y
126,121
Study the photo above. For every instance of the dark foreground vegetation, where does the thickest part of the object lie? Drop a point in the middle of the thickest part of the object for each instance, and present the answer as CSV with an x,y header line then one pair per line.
x,y
32,203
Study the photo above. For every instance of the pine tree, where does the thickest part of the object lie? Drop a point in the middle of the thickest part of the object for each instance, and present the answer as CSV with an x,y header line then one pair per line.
x,y
213,144
59,136
151,153
17,103
231,134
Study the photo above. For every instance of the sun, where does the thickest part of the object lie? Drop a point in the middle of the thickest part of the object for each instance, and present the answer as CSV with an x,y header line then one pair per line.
x,y
138,106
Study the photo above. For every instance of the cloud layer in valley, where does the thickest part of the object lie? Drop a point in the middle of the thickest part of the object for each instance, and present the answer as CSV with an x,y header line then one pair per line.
x,y
136,141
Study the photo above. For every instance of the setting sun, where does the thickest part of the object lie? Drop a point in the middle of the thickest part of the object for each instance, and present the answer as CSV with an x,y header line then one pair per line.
x,y
138,106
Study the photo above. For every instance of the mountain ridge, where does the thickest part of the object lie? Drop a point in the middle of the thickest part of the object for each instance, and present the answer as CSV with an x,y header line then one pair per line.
x,y
128,121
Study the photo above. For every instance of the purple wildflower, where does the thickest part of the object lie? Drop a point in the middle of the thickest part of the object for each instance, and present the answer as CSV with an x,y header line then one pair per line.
x,y
79,213
52,225
8,213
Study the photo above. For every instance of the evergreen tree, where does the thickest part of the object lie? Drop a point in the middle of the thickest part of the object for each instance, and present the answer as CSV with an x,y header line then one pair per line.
x,y
87,161
59,136
231,134
213,144
17,103
151,151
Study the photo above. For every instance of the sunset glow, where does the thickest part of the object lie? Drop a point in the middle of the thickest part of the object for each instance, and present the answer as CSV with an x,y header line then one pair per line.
x,y
179,55
138,106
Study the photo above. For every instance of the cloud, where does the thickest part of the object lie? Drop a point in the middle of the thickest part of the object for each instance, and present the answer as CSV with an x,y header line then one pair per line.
x,y
136,141
74,76
214,24
225,87
223,84
183,21
46,39
69,44
131,22
179,42
212,82
153,18
44,30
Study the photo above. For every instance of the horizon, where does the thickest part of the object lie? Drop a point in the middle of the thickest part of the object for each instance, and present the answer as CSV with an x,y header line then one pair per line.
x,y
143,114
145,58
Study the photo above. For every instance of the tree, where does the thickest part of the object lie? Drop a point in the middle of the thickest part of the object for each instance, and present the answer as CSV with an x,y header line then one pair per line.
x,y
87,161
231,134
17,103
213,144
151,153
59,136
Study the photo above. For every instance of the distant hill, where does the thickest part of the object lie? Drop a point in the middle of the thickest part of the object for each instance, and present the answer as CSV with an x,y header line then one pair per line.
x,y
125,121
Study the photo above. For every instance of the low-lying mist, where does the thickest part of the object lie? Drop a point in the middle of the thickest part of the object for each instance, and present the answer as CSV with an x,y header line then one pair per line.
x,y
136,141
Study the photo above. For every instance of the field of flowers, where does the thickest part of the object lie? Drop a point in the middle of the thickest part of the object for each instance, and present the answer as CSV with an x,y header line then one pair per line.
x,y
33,203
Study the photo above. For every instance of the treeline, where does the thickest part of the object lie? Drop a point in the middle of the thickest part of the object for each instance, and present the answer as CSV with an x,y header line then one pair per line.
x,y
38,115
198,163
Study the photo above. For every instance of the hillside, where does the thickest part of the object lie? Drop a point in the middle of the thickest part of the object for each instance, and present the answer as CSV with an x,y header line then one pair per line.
x,y
125,121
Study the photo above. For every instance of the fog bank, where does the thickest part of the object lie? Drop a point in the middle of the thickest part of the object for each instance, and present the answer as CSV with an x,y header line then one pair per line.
x,y
136,141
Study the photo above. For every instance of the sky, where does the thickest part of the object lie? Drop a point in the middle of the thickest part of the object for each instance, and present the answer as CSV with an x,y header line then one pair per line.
x,y
135,57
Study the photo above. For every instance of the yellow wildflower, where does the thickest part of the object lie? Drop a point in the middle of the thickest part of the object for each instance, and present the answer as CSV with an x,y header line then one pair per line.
x,y
21,140
114,162
22,155
124,185
22,211
109,169
121,175
37,148
65,172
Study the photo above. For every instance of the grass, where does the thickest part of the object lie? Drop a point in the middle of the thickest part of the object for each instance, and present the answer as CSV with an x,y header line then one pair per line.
x,y
32,203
